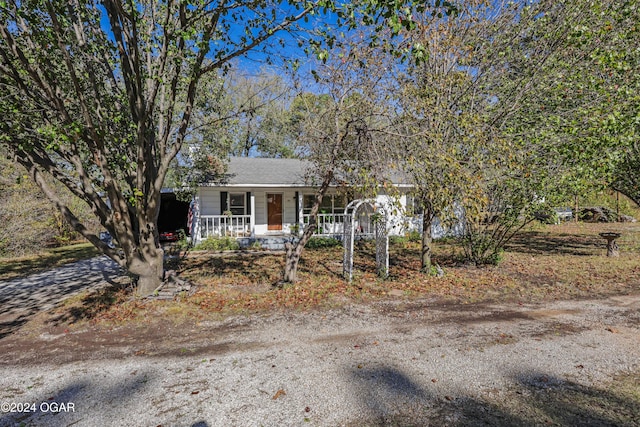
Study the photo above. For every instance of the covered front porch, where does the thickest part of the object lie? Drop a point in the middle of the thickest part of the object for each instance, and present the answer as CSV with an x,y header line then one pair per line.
x,y
257,213
239,226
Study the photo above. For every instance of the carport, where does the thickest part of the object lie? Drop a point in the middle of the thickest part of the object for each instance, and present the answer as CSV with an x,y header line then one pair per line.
x,y
173,215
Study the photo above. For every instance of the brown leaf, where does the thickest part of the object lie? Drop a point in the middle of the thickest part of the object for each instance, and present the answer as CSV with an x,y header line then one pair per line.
x,y
307,409
612,330
279,394
195,392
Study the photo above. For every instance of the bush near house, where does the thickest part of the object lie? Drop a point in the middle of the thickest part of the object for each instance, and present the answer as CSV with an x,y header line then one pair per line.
x,y
323,242
218,244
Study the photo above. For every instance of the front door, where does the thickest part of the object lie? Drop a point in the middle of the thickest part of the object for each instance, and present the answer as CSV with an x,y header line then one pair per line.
x,y
274,212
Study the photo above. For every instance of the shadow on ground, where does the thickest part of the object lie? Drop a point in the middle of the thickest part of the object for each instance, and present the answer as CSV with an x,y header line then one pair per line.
x,y
71,404
107,399
393,398
22,298
534,242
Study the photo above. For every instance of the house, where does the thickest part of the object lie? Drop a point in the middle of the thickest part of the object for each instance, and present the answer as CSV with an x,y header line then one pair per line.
x,y
270,200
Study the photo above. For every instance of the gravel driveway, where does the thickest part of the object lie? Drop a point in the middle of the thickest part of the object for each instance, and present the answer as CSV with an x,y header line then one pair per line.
x,y
390,363
23,297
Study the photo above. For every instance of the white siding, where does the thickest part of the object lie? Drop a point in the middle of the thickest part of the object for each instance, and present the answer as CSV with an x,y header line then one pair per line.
x,y
209,199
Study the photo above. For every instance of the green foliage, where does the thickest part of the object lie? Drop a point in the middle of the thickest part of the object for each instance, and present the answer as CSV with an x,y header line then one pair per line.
x,y
29,221
410,237
294,229
435,270
414,236
218,244
183,241
482,248
547,216
323,242
398,240
606,198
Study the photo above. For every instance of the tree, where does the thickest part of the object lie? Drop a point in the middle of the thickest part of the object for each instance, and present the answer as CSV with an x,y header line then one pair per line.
x,y
579,122
620,60
104,108
572,119
29,222
451,145
248,115
341,131
100,95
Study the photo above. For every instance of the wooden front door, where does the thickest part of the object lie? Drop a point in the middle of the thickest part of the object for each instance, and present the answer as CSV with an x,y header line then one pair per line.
x,y
274,212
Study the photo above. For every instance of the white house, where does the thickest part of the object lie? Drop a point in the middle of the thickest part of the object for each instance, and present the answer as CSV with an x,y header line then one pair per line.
x,y
262,198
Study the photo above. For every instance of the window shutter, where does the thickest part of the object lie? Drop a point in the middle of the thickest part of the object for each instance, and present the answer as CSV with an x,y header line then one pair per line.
x,y
297,208
224,199
248,203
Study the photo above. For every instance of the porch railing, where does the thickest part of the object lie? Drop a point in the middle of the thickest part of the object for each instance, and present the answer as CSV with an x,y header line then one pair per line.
x,y
328,224
224,225
333,224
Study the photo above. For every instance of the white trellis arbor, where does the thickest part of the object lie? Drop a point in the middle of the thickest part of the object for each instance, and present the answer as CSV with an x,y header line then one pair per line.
x,y
364,218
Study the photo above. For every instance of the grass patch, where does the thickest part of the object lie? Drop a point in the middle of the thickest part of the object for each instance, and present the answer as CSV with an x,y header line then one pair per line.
x,y
611,403
542,264
18,267
548,263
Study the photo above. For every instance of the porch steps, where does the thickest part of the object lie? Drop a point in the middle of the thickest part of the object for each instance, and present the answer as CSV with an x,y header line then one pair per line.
x,y
272,243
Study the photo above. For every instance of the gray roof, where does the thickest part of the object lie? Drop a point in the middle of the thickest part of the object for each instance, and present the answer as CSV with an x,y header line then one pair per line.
x,y
259,171
265,172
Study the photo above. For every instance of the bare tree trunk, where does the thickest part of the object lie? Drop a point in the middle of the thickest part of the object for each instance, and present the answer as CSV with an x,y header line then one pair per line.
x,y
294,252
149,268
427,239
291,265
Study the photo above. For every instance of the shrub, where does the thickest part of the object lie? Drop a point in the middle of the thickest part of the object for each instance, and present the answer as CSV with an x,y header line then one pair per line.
x,y
482,248
414,236
218,244
323,242
398,240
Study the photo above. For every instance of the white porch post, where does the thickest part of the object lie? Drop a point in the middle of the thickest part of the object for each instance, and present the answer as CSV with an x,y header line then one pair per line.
x,y
195,220
300,213
253,214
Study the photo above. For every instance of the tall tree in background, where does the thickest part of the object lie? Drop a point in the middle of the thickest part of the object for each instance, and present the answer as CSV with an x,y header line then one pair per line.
x,y
100,95
500,116
618,59
247,116
561,102
569,119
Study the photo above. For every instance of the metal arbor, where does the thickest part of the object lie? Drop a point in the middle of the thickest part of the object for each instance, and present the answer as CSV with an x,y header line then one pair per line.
x,y
365,218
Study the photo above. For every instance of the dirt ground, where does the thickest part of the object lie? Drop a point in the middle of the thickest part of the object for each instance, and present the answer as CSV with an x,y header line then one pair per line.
x,y
561,351
405,362
44,339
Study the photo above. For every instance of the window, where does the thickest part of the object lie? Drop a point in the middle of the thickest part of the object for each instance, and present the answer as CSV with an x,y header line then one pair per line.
x,y
339,204
237,204
331,204
307,203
